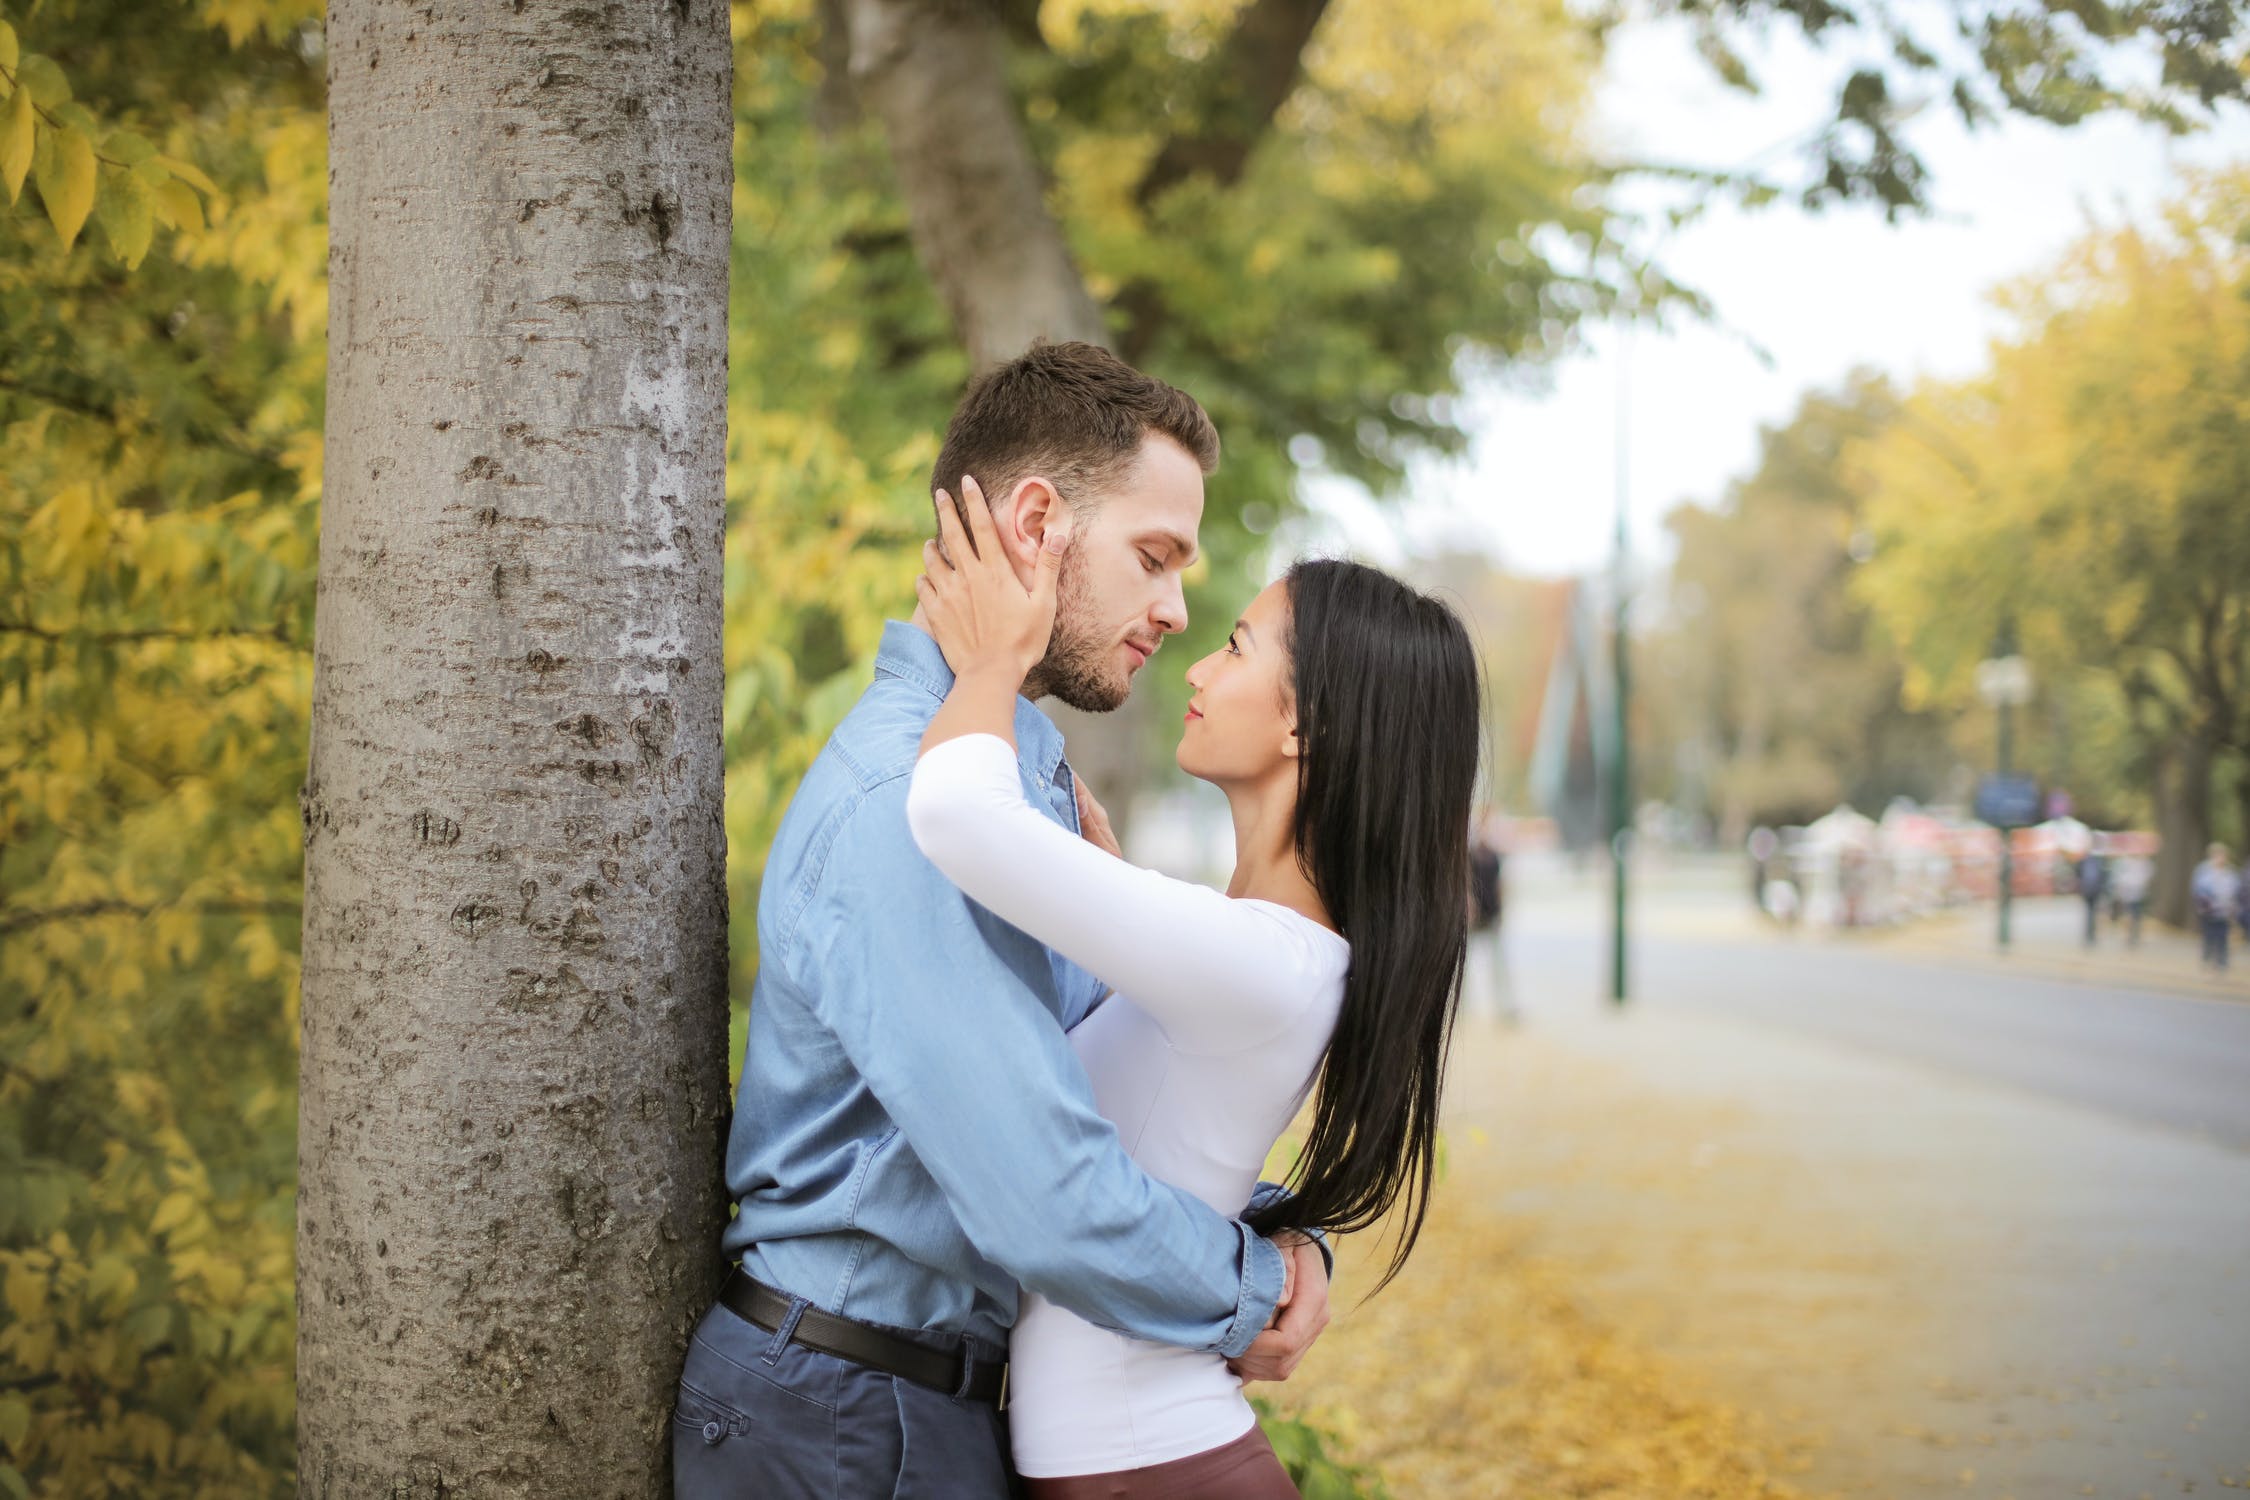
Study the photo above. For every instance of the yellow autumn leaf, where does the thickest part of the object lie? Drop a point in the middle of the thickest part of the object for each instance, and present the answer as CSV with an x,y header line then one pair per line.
x,y
16,137
176,206
175,1210
187,172
10,53
26,1293
67,183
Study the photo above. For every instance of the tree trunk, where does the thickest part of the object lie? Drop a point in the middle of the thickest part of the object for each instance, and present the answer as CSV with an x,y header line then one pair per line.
x,y
2183,821
933,72
514,1054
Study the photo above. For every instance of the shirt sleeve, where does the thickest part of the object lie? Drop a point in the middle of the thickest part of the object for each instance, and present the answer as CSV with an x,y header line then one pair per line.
x,y
1217,974
939,1007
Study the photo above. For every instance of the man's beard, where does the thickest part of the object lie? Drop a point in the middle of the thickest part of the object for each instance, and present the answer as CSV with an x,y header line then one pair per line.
x,y
1077,668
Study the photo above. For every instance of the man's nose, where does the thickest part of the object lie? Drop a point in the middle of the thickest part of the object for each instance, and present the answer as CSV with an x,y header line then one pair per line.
x,y
1170,613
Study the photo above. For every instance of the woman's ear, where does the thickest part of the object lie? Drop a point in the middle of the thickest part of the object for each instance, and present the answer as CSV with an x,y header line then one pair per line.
x,y
1294,745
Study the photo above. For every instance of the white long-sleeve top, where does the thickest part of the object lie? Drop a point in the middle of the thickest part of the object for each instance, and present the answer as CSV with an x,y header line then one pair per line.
x,y
1221,1012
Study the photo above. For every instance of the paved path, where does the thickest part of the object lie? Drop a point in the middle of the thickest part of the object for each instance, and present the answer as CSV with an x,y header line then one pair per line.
x,y
1977,1233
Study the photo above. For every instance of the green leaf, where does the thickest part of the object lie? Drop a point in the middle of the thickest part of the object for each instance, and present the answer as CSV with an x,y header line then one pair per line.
x,y
128,147
15,1421
67,184
16,138
78,117
124,211
13,1482
42,151
10,54
46,82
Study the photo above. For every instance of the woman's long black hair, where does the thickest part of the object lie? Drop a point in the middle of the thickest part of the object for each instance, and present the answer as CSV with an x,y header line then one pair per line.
x,y
1388,714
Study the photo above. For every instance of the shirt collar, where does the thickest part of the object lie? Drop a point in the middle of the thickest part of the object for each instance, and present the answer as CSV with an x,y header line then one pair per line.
x,y
911,655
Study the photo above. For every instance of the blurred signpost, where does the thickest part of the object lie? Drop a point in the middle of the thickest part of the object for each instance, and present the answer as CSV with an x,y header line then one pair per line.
x,y
1620,745
2005,800
2008,801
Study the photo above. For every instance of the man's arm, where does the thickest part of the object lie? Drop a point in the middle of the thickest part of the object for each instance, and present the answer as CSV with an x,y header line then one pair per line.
x,y
936,1004
1268,1192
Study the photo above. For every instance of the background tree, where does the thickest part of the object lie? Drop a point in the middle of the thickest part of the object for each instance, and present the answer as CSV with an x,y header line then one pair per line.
x,y
1777,699
2090,486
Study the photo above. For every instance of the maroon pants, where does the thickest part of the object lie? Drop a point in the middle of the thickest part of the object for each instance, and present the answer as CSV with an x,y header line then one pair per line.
x,y
1244,1469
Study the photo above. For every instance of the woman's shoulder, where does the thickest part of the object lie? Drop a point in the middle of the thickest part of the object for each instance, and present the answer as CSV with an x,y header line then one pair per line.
x,y
1321,946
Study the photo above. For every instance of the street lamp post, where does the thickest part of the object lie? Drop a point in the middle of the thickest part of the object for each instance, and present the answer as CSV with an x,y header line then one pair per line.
x,y
2004,682
1620,763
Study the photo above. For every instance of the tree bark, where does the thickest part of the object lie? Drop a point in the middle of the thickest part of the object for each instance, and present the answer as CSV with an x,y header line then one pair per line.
x,y
2183,821
514,993
933,72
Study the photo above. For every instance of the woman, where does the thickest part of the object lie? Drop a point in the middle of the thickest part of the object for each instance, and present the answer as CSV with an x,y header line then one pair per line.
x,y
1341,721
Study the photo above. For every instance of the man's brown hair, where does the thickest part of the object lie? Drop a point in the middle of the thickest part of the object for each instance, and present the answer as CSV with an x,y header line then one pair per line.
x,y
1074,414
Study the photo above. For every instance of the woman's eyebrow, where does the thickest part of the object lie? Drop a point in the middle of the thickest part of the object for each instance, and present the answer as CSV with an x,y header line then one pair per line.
x,y
1244,627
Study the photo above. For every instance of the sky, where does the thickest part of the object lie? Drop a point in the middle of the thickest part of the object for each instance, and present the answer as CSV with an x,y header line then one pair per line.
x,y
1801,299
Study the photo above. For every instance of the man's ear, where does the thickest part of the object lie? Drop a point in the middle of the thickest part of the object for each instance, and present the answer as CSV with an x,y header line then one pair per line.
x,y
1035,507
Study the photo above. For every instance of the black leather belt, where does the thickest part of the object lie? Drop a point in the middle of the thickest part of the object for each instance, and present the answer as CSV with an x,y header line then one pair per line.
x,y
956,1371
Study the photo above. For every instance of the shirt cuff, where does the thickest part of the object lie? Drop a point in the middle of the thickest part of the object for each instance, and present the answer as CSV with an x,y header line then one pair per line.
x,y
1262,1279
1268,1192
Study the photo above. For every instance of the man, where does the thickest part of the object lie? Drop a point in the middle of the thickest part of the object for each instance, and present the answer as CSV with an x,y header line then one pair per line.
x,y
2215,890
2129,882
2093,885
913,1140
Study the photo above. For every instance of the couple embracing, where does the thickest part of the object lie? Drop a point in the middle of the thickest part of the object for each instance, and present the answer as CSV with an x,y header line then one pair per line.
x,y
999,1229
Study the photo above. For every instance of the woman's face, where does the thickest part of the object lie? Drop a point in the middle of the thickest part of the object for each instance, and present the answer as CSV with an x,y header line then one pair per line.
x,y
1241,723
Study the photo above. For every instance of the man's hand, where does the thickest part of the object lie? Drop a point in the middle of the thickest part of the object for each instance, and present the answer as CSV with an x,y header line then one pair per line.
x,y
1303,1313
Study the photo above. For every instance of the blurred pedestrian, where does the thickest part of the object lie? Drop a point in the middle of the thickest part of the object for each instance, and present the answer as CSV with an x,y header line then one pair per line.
x,y
1764,845
1488,899
2216,891
2093,883
2129,877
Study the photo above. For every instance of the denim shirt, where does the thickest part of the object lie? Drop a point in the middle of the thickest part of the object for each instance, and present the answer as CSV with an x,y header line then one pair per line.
x,y
913,1138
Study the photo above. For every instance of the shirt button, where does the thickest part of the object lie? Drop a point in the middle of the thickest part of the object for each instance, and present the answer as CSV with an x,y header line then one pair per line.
x,y
712,1432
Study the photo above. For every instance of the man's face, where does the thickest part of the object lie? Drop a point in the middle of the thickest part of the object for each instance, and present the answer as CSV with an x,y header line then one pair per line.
x,y
1119,594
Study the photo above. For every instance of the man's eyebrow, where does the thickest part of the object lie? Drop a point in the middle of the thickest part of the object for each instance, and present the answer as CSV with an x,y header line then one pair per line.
x,y
1182,547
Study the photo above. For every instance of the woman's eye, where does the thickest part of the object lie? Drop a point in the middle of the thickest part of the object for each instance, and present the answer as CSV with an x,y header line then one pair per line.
x,y
1232,649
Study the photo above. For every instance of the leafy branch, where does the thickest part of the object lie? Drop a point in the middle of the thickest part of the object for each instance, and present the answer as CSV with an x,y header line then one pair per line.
x,y
18,921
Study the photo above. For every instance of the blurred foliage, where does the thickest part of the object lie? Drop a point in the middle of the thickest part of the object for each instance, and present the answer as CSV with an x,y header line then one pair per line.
x,y
1317,1473
2061,61
1775,698
2089,488
84,166
160,461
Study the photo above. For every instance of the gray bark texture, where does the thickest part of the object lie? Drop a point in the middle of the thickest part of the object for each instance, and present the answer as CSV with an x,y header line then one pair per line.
x,y
514,1034
2183,822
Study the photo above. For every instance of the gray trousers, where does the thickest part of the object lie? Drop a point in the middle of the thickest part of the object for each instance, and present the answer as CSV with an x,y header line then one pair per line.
x,y
760,1419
